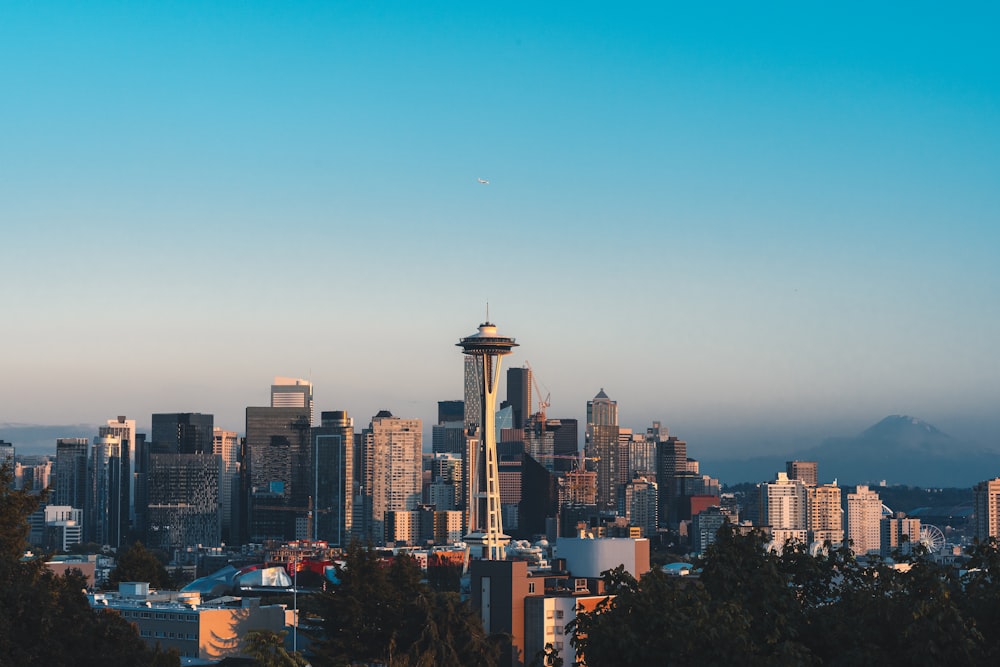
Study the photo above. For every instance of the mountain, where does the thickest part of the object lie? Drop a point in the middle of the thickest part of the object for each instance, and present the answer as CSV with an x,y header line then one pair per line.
x,y
39,439
899,449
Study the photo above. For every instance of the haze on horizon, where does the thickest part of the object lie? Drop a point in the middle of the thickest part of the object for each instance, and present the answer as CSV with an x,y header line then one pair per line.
x,y
755,224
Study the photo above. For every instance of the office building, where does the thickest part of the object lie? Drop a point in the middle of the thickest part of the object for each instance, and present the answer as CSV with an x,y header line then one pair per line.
x,y
293,393
602,447
640,498
333,478
451,411
277,473
567,444
864,514
802,470
70,487
519,394
226,445
123,429
184,508
107,509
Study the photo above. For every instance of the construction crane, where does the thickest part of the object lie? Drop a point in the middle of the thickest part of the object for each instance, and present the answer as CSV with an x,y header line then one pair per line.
x,y
543,403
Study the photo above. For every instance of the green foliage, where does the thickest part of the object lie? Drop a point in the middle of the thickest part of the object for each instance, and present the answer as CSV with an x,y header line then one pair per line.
x,y
267,648
46,619
383,613
754,607
136,563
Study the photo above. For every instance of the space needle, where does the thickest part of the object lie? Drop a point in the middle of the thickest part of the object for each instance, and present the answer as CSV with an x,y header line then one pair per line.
x,y
486,539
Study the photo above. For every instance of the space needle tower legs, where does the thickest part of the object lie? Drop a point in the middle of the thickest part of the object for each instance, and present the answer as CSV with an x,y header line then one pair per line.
x,y
486,538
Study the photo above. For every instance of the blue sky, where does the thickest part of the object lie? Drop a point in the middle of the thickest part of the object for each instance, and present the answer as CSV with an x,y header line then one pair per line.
x,y
751,222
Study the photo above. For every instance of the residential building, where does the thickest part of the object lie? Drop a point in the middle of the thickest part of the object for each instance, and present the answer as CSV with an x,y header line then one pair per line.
x,y
864,514
806,471
987,502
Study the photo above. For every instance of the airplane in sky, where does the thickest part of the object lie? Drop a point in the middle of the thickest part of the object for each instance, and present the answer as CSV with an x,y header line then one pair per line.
x,y
483,181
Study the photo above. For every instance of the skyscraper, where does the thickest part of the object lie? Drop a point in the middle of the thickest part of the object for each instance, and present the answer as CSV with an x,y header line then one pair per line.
x,y
484,349
826,514
182,482
107,510
276,467
293,393
519,394
784,508
392,470
124,429
602,445
864,514
333,478
71,472
226,445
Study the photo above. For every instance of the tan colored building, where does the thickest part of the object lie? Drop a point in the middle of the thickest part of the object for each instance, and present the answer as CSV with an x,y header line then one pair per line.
x,y
987,498
864,516
203,630
826,514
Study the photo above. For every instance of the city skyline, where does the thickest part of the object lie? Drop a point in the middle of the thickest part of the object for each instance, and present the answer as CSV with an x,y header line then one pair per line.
x,y
755,225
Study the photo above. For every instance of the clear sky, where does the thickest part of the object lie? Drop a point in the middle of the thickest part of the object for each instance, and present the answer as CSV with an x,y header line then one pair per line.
x,y
748,220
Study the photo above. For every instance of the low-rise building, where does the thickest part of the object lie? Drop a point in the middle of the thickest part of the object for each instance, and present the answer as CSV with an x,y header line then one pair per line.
x,y
206,630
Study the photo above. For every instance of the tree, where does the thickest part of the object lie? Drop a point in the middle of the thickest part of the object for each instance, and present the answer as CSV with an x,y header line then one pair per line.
x,y
137,563
382,612
45,619
268,649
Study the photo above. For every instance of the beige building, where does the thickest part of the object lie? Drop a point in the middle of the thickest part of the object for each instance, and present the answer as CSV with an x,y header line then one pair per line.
x,y
864,516
987,498
200,630
826,514
392,468
899,532
784,504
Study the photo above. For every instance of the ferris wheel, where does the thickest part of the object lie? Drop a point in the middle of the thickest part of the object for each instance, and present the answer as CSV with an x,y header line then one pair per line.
x,y
932,538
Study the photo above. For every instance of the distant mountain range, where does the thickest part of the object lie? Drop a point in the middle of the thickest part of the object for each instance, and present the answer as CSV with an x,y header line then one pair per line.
x,y
899,449
37,439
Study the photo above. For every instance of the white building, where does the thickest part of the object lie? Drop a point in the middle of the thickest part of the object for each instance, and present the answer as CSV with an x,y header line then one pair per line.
x,y
587,557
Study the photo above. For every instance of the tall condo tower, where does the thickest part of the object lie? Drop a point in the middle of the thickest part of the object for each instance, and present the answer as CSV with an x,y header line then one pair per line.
x,y
486,538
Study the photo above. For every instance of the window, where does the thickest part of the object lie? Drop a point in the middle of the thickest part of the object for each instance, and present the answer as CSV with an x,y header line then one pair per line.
x,y
531,587
559,613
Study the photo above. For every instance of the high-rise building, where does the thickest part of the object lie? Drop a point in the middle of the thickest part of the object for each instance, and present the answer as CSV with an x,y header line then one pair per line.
x,y
987,501
784,508
226,445
124,429
484,351
107,510
7,454
71,473
864,514
293,393
567,443
602,447
277,471
473,403
826,514
183,433
640,504
519,394
184,507
451,411
671,465
899,533
179,482
333,478
392,470
802,470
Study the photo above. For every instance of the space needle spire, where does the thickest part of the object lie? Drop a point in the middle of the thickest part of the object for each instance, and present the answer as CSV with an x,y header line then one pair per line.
x,y
486,538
